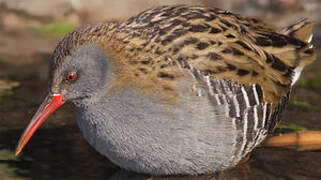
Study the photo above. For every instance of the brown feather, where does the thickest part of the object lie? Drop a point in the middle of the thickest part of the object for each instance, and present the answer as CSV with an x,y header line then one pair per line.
x,y
150,49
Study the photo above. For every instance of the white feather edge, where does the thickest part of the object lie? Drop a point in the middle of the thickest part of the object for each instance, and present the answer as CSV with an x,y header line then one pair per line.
x,y
298,70
310,38
296,75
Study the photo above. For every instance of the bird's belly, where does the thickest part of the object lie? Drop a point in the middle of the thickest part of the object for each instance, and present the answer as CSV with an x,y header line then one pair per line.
x,y
147,136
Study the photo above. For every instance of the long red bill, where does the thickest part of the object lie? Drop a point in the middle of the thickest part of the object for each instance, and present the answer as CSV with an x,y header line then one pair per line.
x,y
48,106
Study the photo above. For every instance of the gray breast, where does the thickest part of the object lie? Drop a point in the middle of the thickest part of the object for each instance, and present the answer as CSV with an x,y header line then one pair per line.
x,y
145,135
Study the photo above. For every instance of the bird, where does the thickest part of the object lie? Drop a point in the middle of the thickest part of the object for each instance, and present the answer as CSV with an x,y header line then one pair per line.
x,y
176,89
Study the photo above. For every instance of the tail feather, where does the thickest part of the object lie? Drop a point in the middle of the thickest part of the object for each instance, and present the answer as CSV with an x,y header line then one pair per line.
x,y
304,55
301,30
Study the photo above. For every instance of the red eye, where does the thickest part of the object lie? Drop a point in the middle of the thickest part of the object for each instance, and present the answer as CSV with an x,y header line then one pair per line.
x,y
71,77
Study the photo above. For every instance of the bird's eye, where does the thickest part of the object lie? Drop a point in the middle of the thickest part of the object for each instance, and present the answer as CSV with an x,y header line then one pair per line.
x,y
71,77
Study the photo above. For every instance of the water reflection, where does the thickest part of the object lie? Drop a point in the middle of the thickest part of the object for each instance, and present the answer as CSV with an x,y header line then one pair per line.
x,y
55,153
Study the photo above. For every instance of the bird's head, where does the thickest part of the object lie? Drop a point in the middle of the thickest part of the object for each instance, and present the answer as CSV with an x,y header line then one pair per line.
x,y
79,71
81,75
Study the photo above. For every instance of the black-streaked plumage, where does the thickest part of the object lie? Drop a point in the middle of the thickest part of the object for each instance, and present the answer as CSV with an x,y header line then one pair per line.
x,y
177,89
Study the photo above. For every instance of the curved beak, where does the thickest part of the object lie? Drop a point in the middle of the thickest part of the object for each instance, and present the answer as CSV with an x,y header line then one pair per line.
x,y
48,106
